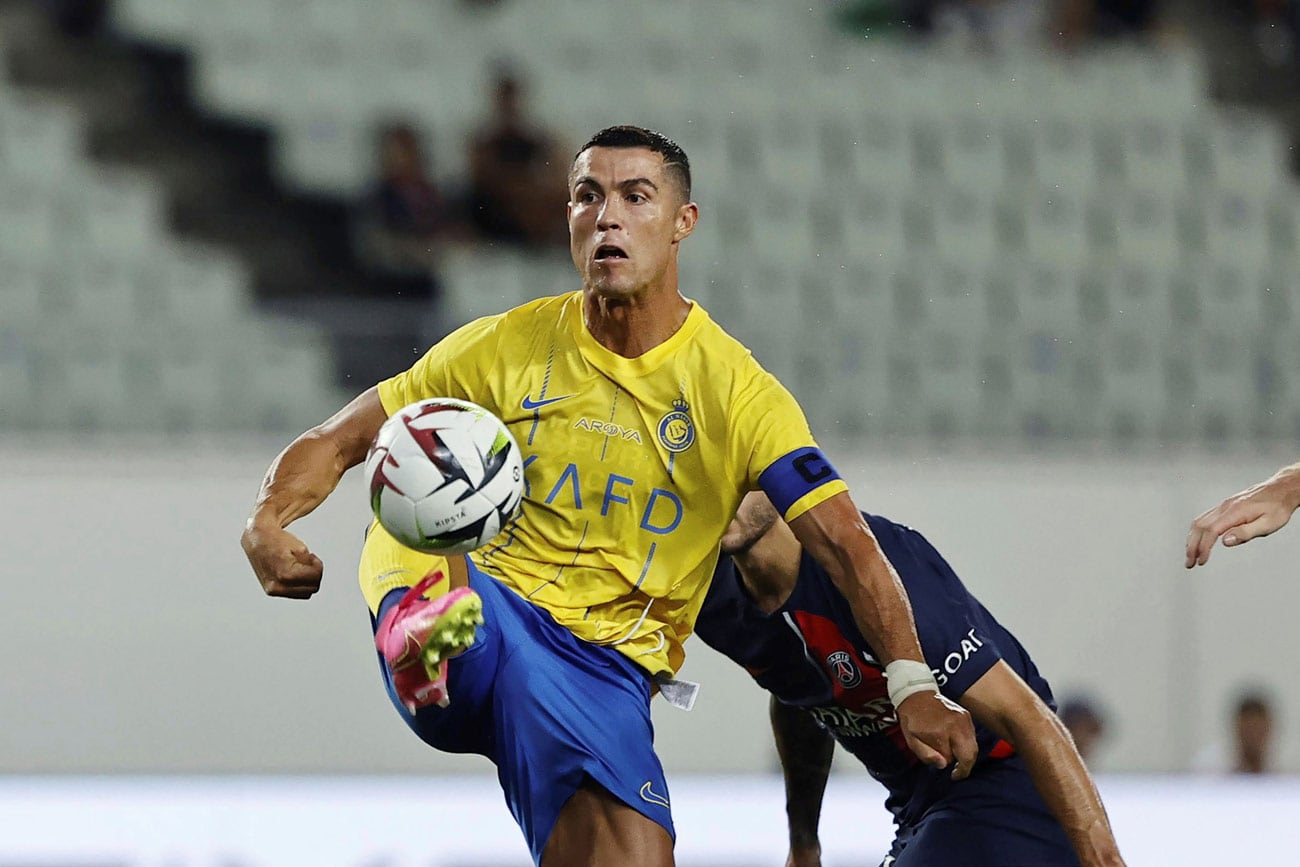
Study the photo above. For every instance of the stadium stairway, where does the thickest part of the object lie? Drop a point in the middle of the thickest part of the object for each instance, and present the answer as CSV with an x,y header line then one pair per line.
x,y
140,114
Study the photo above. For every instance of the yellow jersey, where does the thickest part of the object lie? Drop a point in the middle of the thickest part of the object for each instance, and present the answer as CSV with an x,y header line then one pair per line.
x,y
633,467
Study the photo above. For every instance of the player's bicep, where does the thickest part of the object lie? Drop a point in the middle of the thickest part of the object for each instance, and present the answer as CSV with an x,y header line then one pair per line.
x,y
353,428
1001,701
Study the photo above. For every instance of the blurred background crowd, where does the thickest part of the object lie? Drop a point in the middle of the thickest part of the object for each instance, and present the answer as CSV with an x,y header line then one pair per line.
x,y
1002,225
1080,212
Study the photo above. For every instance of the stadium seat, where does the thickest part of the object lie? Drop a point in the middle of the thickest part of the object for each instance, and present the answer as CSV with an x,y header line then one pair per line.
x,y
1248,154
1153,151
94,390
973,152
1063,159
1141,295
236,62
1056,225
100,290
120,216
966,224
318,149
195,284
881,151
1146,224
28,224
1227,375
16,390
1278,290
1231,294
1133,377
1279,386
168,22
1237,226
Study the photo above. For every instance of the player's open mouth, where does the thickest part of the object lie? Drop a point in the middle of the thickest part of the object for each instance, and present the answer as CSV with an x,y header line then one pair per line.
x,y
606,252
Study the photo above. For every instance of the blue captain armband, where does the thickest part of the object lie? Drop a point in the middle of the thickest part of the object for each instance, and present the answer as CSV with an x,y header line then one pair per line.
x,y
794,476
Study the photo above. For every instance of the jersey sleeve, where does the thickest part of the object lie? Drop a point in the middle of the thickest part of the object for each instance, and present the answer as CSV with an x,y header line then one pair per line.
x,y
955,636
778,451
451,368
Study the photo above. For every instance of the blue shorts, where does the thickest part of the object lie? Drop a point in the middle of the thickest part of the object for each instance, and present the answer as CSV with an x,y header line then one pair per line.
x,y
995,818
549,710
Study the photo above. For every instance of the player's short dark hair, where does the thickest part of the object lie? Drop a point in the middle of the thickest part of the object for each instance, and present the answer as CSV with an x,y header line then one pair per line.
x,y
626,136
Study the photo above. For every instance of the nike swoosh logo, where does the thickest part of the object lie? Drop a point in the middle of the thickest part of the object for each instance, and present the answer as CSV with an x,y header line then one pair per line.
x,y
529,403
652,797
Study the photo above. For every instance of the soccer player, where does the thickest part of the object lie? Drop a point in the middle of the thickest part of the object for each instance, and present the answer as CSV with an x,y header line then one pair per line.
x,y
642,425
1029,802
1259,510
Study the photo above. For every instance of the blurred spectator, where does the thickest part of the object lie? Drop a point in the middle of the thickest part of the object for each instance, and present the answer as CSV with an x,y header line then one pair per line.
x,y
404,217
1274,26
1081,21
1086,723
992,25
1250,748
517,174
77,18
1253,733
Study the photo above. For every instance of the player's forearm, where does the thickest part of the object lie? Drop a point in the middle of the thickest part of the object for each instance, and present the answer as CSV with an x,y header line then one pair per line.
x,y
1066,786
836,534
309,469
1285,484
298,480
805,750
876,596
881,607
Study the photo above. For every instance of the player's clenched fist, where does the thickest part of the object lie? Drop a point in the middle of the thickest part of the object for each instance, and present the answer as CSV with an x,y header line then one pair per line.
x,y
282,562
939,731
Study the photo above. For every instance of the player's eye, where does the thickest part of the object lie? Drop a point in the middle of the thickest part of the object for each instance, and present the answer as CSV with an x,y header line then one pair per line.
x,y
635,198
587,197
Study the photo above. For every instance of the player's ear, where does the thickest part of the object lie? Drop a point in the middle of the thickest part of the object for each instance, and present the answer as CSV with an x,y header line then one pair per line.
x,y
687,216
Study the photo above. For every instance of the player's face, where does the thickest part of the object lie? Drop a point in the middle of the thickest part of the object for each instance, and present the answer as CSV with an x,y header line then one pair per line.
x,y
626,216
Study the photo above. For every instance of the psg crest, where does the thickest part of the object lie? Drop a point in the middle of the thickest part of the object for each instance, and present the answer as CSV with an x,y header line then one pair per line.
x,y
676,430
841,665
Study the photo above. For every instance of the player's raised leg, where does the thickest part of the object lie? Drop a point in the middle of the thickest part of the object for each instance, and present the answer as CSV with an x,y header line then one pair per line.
x,y
418,635
573,739
435,618
597,829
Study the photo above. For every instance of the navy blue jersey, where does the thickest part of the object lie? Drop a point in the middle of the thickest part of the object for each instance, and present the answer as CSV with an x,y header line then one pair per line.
x,y
809,653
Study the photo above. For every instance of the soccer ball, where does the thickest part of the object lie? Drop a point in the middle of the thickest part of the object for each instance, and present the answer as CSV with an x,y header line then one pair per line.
x,y
445,476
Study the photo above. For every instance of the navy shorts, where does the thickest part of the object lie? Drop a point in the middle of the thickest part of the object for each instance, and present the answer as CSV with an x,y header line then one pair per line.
x,y
995,818
549,710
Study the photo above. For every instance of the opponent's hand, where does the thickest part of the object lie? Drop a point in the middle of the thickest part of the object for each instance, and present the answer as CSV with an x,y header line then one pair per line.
x,y
939,731
804,856
1257,511
283,564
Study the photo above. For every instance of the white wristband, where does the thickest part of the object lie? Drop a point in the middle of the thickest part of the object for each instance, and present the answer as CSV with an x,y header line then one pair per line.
x,y
906,677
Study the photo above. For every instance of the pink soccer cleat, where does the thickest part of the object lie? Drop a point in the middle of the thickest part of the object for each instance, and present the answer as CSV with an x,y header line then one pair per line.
x,y
417,636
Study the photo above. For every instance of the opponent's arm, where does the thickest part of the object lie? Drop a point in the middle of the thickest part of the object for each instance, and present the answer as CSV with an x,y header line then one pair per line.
x,y
837,535
299,480
805,749
1257,511
1005,704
